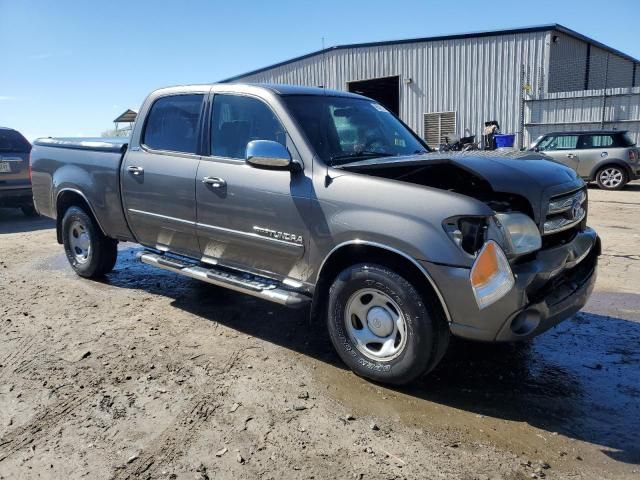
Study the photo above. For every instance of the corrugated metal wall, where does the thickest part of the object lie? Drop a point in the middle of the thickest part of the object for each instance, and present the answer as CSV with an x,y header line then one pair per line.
x,y
478,78
567,63
585,110
569,59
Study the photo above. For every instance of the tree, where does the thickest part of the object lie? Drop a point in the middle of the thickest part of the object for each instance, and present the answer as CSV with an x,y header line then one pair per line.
x,y
114,132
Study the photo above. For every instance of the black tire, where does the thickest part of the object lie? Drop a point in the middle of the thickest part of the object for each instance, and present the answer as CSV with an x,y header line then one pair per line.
x,y
427,335
102,251
29,211
607,177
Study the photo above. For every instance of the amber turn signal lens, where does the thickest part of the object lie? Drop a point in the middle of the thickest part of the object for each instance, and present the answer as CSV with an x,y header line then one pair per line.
x,y
486,266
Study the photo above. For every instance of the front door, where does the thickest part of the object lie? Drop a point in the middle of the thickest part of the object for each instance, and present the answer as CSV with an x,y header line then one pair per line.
x,y
158,178
250,218
562,148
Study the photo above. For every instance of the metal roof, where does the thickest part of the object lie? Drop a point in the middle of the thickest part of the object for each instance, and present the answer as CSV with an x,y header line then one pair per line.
x,y
488,33
586,132
302,90
127,116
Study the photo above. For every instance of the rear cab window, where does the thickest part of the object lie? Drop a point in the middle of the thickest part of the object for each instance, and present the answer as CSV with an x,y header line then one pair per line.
x,y
173,124
12,141
237,120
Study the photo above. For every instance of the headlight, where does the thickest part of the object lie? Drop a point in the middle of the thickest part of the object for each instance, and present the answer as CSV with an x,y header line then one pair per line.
x,y
491,277
521,233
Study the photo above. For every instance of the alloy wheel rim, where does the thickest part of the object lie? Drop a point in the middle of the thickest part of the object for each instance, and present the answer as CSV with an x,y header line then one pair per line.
x,y
79,241
375,324
611,177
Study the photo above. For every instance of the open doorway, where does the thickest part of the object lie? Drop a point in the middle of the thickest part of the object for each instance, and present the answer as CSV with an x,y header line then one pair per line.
x,y
385,90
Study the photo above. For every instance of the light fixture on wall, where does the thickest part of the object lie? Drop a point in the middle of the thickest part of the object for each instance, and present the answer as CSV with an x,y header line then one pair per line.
x,y
408,80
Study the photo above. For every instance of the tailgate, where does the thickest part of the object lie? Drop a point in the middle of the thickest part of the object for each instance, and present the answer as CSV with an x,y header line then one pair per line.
x,y
14,160
14,170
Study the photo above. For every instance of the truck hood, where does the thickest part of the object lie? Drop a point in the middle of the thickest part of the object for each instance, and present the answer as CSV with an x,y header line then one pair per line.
x,y
480,174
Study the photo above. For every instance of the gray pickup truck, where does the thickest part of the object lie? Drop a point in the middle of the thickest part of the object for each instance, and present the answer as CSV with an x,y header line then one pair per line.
x,y
323,199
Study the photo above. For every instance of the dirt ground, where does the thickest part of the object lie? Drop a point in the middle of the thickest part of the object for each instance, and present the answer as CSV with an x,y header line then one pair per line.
x,y
148,375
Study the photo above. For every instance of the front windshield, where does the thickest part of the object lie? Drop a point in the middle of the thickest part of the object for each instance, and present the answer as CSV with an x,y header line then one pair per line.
x,y
344,129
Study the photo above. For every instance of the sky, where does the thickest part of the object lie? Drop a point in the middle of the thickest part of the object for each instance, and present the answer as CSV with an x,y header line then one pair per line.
x,y
68,68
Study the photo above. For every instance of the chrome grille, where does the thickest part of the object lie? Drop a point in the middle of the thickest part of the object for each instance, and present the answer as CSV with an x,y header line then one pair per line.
x,y
565,211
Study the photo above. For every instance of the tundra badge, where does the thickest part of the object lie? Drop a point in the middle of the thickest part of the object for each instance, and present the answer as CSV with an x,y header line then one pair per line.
x,y
287,237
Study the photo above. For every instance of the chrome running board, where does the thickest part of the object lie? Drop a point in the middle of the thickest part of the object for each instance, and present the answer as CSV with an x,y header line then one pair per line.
x,y
257,286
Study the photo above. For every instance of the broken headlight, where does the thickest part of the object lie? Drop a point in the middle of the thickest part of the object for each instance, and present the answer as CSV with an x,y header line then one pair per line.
x,y
521,234
467,232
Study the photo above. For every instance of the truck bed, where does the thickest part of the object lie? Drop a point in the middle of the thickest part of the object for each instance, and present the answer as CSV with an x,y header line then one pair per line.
x,y
89,167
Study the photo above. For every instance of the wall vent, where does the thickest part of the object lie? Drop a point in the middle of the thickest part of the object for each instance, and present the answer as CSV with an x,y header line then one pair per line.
x,y
438,125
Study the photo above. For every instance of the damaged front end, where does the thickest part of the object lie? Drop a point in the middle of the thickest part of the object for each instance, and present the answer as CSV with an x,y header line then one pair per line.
x,y
532,263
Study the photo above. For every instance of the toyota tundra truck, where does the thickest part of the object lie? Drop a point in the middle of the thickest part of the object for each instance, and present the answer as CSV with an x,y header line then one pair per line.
x,y
325,200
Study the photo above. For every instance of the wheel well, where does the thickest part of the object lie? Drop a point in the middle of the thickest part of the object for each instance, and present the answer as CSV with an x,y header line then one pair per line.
x,y
66,199
617,163
359,253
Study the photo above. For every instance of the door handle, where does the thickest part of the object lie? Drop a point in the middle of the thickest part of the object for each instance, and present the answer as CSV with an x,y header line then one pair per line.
x,y
570,155
215,182
135,170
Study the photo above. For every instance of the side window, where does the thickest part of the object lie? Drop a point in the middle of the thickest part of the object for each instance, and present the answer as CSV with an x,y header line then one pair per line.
x,y
597,141
173,123
561,142
237,120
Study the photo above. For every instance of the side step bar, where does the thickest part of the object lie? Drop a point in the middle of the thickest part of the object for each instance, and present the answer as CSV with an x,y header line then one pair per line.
x,y
256,286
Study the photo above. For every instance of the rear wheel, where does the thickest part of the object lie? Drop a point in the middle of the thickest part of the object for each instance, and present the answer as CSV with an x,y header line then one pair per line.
x,y
611,177
381,325
89,251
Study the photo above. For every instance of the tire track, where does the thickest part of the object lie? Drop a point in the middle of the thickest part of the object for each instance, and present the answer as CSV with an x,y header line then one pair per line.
x,y
40,426
13,360
172,443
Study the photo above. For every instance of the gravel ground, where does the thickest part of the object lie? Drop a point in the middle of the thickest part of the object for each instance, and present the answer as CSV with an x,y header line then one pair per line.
x,y
148,375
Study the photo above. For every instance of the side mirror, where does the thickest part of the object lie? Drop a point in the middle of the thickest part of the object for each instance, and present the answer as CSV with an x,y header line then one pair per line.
x,y
267,153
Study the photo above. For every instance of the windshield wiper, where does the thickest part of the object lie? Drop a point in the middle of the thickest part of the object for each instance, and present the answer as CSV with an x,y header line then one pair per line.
x,y
360,154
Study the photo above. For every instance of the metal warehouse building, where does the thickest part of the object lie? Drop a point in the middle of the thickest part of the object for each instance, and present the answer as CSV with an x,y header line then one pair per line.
x,y
531,80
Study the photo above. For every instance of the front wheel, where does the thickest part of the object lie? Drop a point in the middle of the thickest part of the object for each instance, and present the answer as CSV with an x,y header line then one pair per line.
x,y
381,326
611,177
90,253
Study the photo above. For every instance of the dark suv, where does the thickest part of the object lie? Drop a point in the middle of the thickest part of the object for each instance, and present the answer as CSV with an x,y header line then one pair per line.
x,y
15,181
608,157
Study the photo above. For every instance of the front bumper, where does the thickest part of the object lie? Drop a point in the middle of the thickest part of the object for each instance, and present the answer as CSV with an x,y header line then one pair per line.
x,y
16,197
548,289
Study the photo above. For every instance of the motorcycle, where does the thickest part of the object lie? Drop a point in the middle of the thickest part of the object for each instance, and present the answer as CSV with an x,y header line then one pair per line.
x,y
461,144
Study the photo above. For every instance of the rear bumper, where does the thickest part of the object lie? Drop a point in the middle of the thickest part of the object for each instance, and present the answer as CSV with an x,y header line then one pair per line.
x,y
548,289
16,197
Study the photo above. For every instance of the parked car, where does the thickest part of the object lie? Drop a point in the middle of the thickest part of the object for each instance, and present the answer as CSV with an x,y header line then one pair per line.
x,y
608,157
15,181
322,199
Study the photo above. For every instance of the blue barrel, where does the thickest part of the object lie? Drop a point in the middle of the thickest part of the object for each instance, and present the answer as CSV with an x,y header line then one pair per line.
x,y
505,140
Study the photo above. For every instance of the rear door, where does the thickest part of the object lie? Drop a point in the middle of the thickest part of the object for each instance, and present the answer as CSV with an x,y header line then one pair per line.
x,y
598,149
251,218
562,148
14,160
158,178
